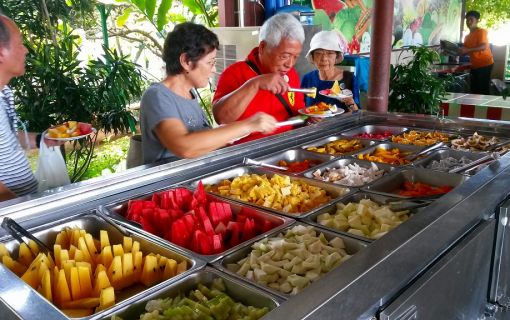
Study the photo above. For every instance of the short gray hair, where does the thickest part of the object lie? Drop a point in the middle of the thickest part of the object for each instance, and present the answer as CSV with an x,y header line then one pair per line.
x,y
279,27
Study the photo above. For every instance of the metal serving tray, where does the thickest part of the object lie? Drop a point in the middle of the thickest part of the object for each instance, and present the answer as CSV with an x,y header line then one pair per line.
x,y
294,155
323,141
117,211
334,191
356,197
351,247
343,162
238,290
373,129
392,183
93,223
442,154
387,146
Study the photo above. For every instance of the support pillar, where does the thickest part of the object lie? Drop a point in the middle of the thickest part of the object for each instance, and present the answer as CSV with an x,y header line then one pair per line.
x,y
380,56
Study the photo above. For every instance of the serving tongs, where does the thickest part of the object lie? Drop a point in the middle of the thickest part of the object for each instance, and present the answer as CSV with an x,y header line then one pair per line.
x,y
311,92
433,147
18,232
101,211
496,146
403,205
292,121
493,156
251,162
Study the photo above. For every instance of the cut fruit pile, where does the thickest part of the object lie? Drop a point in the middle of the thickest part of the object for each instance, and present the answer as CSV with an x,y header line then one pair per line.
x,y
393,156
338,147
278,192
365,218
291,261
70,129
204,302
321,108
421,138
195,221
420,189
350,175
477,142
86,272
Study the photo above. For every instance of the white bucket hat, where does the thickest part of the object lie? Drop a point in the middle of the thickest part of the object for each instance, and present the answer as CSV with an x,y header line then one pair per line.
x,y
327,40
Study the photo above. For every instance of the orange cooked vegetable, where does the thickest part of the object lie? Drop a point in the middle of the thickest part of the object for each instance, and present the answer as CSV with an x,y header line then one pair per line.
x,y
393,156
420,189
338,147
298,166
421,138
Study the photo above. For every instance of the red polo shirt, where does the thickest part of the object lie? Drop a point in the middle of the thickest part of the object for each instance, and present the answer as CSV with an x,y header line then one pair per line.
x,y
238,73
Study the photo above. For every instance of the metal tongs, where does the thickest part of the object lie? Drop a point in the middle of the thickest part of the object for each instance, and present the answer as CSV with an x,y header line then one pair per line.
x,y
404,205
292,121
251,162
18,232
494,156
412,157
101,211
311,92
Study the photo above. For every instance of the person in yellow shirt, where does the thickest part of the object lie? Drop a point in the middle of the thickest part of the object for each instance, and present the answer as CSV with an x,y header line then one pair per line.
x,y
476,45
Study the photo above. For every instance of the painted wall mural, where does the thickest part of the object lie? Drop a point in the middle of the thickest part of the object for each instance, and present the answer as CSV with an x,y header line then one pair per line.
x,y
416,22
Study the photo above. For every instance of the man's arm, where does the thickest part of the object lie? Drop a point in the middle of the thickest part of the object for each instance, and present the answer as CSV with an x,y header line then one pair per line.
x,y
6,193
230,107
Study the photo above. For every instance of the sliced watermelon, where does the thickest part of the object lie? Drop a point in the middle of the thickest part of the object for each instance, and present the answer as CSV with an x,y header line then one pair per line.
x,y
180,233
220,229
217,243
233,228
156,199
248,230
206,222
266,226
147,225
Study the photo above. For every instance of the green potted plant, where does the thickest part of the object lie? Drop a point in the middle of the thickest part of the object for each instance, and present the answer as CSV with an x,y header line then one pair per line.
x,y
413,87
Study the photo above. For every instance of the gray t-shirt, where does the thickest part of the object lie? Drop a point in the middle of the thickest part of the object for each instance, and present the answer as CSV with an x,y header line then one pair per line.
x,y
160,103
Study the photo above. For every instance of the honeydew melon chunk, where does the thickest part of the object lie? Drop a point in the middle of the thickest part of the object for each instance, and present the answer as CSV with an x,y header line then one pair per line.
x,y
340,224
290,245
312,275
268,268
233,267
356,232
278,253
242,261
379,235
284,273
245,267
285,287
315,247
330,223
297,269
385,227
322,238
298,281
312,262
344,258
259,275
274,285
332,260
249,275
337,243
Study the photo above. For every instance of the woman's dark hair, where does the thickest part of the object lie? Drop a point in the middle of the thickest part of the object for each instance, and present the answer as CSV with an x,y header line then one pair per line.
x,y
474,14
189,38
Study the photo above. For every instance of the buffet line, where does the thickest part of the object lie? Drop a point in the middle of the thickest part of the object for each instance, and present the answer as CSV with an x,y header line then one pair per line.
x,y
218,239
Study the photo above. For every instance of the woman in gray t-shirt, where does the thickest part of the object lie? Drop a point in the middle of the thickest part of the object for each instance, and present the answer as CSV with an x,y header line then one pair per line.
x,y
173,124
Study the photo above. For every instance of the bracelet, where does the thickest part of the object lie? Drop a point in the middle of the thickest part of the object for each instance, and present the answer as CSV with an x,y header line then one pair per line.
x,y
38,138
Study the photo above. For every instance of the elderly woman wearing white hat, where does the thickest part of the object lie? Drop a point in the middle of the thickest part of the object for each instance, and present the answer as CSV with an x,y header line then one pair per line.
x,y
325,51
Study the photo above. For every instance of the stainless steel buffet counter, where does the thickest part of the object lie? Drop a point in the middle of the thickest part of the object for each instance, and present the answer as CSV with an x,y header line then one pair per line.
x,y
440,259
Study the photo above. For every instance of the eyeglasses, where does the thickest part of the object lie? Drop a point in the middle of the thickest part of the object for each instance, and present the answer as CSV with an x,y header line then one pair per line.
x,y
321,53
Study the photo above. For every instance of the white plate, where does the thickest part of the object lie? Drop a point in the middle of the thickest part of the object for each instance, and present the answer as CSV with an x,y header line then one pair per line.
x,y
70,138
327,114
338,96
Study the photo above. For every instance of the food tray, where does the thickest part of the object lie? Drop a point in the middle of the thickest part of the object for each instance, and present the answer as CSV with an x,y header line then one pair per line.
x,y
356,197
117,211
323,141
451,135
388,146
335,164
374,129
93,223
393,182
352,246
238,290
446,153
292,156
334,190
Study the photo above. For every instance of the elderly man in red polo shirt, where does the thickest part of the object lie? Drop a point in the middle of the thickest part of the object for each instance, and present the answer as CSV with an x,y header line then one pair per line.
x,y
261,82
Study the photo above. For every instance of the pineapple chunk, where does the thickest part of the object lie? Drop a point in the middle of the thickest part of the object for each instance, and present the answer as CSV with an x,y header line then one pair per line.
x,y
127,244
62,293
100,282
25,256
34,248
118,250
85,303
105,241
182,267
150,271
75,284
115,272
85,281
127,268
137,265
14,265
170,269
46,285
106,298
77,313
106,256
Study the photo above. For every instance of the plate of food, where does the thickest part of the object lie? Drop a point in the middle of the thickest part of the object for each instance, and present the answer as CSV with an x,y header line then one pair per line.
x,y
342,94
337,91
69,130
321,110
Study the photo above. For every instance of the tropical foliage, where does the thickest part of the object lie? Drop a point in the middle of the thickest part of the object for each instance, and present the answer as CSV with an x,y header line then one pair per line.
x,y
413,88
493,12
